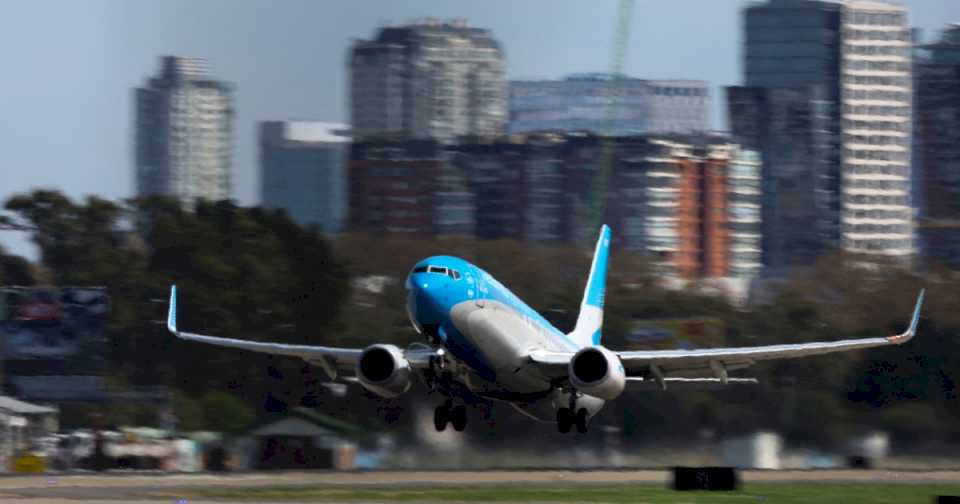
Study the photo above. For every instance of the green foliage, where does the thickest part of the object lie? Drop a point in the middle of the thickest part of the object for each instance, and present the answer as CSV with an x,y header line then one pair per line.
x,y
246,273
189,413
224,412
15,270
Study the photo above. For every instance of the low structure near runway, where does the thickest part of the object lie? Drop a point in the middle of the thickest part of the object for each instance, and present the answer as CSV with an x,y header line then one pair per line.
x,y
22,426
300,439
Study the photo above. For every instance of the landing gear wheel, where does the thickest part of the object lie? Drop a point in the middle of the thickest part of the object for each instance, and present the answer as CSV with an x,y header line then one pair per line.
x,y
564,420
441,416
458,418
582,419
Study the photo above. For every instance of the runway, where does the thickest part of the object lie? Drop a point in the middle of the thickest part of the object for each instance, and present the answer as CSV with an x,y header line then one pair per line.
x,y
136,487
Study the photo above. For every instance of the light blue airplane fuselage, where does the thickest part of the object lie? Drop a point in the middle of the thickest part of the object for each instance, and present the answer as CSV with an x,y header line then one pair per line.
x,y
487,327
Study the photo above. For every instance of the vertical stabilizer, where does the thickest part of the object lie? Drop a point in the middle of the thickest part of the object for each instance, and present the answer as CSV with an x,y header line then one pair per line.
x,y
590,320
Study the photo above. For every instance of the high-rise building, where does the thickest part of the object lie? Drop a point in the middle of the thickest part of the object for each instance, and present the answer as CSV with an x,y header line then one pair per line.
x,y
792,127
610,104
183,133
937,135
303,171
848,62
428,80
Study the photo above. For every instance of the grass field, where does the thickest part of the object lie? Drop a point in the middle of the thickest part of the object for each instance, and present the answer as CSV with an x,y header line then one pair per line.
x,y
766,493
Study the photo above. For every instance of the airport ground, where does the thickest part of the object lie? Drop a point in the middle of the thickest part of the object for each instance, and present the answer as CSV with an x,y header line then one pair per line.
x,y
848,486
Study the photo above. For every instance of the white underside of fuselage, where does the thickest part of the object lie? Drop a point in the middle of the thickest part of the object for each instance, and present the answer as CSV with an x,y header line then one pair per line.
x,y
504,339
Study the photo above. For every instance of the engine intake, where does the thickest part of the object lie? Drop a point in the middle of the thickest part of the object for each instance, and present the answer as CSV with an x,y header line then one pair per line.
x,y
383,370
597,372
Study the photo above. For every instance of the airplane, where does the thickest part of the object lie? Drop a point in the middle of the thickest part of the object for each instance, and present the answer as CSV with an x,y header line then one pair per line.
x,y
485,344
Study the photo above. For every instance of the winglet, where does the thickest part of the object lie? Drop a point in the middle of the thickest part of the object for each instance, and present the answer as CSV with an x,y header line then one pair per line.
x,y
172,311
912,329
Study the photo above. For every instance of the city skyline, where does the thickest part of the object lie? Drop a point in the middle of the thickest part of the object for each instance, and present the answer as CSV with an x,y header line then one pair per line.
x,y
114,45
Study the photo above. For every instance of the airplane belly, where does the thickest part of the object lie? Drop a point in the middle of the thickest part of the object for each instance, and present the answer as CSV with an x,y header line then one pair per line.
x,y
545,410
503,340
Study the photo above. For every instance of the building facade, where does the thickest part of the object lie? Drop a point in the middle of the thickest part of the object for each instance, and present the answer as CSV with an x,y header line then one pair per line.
x,y
848,64
303,171
183,145
408,188
937,141
428,80
610,104
691,203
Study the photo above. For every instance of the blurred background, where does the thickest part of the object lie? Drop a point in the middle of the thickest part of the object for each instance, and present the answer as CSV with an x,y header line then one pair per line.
x,y
774,171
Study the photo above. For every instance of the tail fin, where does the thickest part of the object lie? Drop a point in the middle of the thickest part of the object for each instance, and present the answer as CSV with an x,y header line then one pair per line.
x,y
590,320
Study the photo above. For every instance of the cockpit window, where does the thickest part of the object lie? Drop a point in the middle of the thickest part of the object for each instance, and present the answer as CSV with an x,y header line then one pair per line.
x,y
450,272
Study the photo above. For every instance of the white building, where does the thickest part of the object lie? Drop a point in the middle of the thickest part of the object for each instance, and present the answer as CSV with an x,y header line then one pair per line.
x,y
850,61
303,171
876,93
183,133
429,79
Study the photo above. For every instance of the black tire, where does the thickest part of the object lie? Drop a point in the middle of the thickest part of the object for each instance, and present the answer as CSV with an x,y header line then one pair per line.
x,y
458,417
582,420
441,416
564,420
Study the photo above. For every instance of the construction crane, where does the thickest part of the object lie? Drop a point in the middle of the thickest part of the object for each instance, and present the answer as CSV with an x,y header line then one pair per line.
x,y
621,40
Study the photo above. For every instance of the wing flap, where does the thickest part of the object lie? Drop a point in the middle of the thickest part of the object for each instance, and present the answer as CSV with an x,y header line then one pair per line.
x,y
636,383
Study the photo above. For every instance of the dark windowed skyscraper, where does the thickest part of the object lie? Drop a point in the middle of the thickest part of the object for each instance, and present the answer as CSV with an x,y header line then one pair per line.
x,y
938,145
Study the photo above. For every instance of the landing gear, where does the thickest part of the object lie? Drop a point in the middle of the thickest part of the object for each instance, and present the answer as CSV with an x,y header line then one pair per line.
x,y
564,420
568,417
458,418
448,413
581,420
441,416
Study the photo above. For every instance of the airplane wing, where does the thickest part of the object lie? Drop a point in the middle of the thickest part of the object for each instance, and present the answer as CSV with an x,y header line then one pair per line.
x,y
660,364
331,359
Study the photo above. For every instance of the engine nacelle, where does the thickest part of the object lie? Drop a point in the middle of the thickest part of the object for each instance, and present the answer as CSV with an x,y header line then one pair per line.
x,y
597,372
383,370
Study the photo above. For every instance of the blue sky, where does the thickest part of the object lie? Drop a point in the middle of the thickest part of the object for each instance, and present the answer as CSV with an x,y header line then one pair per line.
x,y
67,67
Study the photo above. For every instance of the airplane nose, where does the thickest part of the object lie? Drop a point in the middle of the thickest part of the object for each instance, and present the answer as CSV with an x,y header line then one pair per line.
x,y
426,293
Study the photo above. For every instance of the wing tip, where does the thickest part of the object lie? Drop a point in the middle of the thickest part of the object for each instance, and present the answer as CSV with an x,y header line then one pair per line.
x,y
914,321
172,311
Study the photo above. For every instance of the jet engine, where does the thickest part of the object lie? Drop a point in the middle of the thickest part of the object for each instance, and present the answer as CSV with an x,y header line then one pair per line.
x,y
597,372
383,370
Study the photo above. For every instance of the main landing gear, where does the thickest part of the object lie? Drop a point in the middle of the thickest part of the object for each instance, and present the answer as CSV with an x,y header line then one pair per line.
x,y
448,413
568,417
